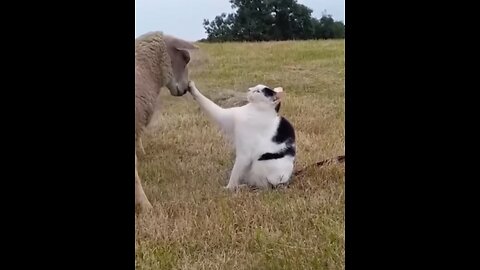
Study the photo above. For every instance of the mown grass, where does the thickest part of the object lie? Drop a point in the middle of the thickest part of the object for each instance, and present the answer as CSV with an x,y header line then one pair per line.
x,y
196,224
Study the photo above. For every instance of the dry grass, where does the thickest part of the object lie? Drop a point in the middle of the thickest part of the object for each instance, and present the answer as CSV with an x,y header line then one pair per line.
x,y
195,223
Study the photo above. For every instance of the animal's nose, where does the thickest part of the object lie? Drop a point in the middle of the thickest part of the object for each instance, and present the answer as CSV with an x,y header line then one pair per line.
x,y
182,90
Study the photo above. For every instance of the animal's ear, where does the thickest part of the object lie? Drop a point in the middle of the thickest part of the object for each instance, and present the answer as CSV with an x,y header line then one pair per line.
x,y
179,44
185,45
185,55
279,92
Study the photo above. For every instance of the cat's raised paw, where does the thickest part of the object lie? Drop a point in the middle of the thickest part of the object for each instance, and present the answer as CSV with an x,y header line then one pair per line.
x,y
191,86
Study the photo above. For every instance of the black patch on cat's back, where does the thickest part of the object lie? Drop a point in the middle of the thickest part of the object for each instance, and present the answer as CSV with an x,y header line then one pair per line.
x,y
289,151
285,132
268,156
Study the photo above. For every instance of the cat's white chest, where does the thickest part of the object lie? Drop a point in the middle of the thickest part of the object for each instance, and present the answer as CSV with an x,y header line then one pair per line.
x,y
254,131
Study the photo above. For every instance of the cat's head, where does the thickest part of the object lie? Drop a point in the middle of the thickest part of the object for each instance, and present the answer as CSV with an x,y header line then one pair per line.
x,y
265,96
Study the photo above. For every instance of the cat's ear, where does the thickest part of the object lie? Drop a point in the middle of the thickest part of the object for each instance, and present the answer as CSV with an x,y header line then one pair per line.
x,y
279,92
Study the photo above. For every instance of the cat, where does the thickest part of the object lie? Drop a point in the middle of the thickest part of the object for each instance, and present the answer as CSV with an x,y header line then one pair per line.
x,y
264,141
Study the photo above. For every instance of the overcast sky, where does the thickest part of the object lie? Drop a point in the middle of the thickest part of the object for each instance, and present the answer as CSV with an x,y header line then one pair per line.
x,y
184,18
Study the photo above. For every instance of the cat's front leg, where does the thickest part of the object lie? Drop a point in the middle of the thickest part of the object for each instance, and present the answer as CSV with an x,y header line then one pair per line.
x,y
222,117
193,90
239,169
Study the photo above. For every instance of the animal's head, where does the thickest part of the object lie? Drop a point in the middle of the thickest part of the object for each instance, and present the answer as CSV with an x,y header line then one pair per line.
x,y
265,96
180,57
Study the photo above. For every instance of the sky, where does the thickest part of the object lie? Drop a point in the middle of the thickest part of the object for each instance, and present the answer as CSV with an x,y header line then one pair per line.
x,y
184,18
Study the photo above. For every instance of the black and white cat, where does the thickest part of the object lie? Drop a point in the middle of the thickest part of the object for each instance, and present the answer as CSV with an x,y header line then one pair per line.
x,y
264,141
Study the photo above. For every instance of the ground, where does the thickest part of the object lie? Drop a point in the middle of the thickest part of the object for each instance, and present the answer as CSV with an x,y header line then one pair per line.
x,y
196,224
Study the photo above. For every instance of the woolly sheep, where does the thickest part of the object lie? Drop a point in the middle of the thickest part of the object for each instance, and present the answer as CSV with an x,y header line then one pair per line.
x,y
160,60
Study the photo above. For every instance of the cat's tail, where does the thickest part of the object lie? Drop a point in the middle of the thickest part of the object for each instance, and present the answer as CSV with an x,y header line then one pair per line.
x,y
339,159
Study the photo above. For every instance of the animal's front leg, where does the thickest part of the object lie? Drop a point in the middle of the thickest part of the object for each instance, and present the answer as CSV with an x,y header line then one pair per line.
x,y
140,145
239,169
141,201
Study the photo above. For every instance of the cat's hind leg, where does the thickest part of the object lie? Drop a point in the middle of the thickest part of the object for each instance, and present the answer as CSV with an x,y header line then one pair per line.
x,y
258,175
271,173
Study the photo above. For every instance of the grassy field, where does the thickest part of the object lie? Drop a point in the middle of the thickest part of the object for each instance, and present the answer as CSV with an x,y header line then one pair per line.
x,y
198,225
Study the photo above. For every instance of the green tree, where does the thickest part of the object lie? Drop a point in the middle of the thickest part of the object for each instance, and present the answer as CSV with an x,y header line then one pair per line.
x,y
327,27
220,29
290,20
262,20
252,20
339,30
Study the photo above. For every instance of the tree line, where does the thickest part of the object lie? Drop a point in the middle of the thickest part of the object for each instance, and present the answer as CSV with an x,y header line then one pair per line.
x,y
265,20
